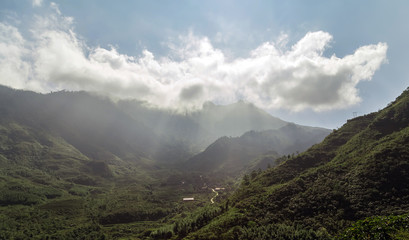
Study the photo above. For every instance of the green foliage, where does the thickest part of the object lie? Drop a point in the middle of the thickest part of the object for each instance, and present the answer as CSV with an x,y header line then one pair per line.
x,y
216,228
78,190
358,171
378,228
280,232
60,181
133,215
13,197
188,224
86,232
66,207
17,193
246,180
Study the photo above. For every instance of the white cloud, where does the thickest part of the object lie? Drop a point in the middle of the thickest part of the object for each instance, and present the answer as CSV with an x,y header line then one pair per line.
x,y
37,3
272,76
14,70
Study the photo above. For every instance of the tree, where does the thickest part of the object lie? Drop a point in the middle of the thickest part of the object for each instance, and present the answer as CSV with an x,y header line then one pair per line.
x,y
246,179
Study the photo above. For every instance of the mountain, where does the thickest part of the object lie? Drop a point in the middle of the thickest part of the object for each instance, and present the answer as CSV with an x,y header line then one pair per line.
x,y
71,162
231,155
74,164
91,124
130,130
358,171
235,119
201,128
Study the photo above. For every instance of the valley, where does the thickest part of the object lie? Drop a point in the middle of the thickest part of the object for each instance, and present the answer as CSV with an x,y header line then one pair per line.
x,y
75,164
87,167
204,120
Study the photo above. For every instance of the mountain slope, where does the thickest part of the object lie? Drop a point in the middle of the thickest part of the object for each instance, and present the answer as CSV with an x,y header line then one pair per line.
x,y
104,130
71,162
360,170
232,155
235,119
201,128
91,124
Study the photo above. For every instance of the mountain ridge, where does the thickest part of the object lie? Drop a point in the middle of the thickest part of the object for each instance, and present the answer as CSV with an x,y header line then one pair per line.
x,y
233,154
360,170
101,128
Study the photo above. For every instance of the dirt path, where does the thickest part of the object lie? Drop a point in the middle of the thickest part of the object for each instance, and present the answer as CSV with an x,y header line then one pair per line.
x,y
212,199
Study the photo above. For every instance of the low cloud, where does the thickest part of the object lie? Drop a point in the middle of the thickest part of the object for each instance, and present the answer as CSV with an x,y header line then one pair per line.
x,y
272,76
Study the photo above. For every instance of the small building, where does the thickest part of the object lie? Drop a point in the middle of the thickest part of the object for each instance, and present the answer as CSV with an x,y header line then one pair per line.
x,y
188,199
219,188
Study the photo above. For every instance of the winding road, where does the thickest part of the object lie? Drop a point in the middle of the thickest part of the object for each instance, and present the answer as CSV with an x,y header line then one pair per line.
x,y
212,199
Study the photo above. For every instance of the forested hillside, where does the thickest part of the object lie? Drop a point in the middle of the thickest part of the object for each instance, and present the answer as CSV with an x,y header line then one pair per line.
x,y
74,164
360,170
234,155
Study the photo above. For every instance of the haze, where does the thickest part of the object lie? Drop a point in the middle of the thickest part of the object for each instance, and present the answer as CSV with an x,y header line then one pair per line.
x,y
299,71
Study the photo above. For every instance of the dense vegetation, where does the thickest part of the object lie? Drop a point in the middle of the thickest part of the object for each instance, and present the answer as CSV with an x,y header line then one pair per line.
x,y
385,227
67,172
360,170
58,204
73,165
77,165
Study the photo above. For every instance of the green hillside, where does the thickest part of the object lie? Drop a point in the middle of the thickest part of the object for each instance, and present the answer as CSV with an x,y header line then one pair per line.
x,y
75,165
233,155
358,171
50,190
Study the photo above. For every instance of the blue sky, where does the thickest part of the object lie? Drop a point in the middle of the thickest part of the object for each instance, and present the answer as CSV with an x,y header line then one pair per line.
x,y
179,54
